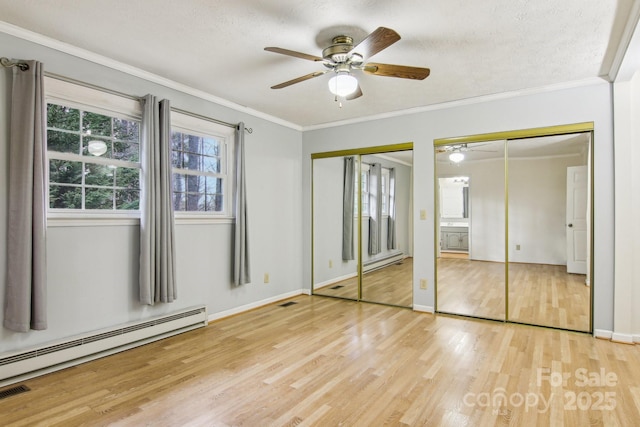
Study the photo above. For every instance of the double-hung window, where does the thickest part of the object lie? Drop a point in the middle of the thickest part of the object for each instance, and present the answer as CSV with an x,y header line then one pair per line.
x,y
366,195
202,153
93,150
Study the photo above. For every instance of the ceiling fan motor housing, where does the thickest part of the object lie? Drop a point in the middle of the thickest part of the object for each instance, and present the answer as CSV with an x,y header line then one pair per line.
x,y
339,51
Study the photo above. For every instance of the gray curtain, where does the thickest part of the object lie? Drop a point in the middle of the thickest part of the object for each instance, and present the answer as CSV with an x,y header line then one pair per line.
x,y
348,203
241,265
157,240
375,208
26,287
391,222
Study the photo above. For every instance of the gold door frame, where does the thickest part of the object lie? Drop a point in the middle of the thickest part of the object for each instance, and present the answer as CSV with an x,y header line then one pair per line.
x,y
507,136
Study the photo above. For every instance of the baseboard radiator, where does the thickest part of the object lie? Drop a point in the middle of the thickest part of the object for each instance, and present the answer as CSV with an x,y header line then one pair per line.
x,y
376,264
24,364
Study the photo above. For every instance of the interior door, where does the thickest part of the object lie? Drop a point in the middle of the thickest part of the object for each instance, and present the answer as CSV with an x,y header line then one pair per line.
x,y
577,214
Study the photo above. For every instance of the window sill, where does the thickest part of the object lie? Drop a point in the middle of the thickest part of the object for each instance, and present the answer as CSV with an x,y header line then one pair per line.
x,y
186,219
92,220
105,220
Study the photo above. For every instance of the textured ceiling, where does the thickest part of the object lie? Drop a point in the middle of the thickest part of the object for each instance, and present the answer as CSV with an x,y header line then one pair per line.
x,y
473,48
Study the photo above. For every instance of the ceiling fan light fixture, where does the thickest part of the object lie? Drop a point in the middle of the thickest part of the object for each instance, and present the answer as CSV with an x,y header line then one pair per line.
x,y
343,84
456,157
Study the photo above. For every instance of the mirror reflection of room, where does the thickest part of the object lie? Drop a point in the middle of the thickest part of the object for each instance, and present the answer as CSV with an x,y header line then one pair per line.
x,y
454,216
382,214
544,208
471,215
386,244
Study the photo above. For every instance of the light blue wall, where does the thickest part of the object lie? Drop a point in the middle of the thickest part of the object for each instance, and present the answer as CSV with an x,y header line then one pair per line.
x,y
93,270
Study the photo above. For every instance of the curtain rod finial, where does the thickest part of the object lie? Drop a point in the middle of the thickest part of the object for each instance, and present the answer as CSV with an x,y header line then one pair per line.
x,y
6,62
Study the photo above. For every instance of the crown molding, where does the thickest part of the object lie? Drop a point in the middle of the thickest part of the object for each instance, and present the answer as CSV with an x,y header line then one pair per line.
x,y
69,49
625,41
462,102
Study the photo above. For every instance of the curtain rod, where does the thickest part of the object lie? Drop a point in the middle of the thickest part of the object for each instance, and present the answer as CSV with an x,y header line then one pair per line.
x,y
209,119
136,98
6,62
24,67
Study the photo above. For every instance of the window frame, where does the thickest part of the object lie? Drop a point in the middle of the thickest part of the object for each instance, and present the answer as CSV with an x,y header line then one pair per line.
x,y
365,191
85,98
224,134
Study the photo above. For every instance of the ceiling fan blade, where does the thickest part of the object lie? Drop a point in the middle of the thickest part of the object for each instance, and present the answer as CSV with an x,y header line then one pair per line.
x,y
354,95
293,53
380,39
299,79
401,71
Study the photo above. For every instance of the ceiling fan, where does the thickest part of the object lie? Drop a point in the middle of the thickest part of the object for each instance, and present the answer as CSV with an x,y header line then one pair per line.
x,y
342,57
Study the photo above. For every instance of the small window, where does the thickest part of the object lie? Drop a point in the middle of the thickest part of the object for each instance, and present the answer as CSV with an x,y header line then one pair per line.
x,y
94,160
201,156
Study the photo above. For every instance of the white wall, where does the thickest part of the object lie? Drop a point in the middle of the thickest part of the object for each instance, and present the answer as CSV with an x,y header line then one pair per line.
x,y
626,326
537,209
627,231
92,269
590,103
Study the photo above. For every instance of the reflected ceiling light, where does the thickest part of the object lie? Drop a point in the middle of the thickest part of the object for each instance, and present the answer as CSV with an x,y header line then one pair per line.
x,y
97,148
456,157
343,84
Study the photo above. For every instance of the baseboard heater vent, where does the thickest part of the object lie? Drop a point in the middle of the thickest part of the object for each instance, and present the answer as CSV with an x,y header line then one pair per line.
x,y
17,366
376,264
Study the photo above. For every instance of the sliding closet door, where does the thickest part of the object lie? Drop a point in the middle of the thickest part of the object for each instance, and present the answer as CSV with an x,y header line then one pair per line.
x,y
335,227
549,216
470,228
387,272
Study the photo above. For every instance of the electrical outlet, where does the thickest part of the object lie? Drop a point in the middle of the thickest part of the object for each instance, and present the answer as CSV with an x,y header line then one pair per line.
x,y
423,214
330,263
423,284
266,277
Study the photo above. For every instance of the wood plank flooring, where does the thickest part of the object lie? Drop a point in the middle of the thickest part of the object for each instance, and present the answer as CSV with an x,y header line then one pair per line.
x,y
329,362
392,284
538,294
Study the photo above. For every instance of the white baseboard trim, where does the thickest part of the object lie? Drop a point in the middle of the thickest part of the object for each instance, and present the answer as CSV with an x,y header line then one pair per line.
x,y
602,333
423,308
622,338
251,306
334,280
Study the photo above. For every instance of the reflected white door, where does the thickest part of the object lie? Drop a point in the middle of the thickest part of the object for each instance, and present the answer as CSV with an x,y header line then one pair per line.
x,y
577,237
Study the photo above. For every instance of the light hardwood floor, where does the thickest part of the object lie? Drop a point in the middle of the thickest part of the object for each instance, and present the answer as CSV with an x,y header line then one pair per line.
x,y
538,294
392,284
330,362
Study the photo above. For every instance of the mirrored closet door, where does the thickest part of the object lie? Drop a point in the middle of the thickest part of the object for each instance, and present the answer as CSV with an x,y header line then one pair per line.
x,y
549,213
514,227
471,231
335,227
362,239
